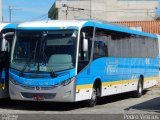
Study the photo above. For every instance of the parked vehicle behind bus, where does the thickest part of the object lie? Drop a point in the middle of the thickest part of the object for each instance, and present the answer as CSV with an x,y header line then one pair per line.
x,y
70,61
6,32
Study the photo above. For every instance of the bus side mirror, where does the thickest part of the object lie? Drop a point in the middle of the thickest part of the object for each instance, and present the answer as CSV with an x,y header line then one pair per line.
x,y
85,43
5,38
8,36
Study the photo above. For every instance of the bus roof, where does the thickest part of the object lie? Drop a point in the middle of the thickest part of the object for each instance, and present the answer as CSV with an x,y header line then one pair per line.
x,y
51,24
7,26
2,25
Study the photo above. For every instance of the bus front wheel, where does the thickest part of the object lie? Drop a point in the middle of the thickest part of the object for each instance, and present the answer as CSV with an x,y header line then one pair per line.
x,y
92,102
138,93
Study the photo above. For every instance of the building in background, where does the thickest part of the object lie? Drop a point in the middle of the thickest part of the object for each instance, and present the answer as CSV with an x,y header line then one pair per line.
x,y
107,10
145,26
0,10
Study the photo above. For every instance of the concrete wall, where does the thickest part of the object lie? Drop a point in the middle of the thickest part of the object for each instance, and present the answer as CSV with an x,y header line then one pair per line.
x,y
108,10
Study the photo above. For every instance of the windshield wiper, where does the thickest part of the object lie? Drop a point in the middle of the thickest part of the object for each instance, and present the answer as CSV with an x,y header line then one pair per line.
x,y
52,73
28,61
26,64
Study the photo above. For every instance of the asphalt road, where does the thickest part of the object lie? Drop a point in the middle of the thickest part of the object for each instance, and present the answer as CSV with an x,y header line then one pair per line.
x,y
116,107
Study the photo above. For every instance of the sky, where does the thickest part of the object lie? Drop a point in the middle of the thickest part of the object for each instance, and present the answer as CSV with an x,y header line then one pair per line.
x,y
26,10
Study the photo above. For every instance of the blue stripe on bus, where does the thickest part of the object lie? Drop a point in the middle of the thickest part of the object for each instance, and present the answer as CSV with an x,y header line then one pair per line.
x,y
44,81
115,69
119,28
10,26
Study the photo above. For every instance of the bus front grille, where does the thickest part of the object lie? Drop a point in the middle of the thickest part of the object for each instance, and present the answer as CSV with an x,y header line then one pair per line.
x,y
44,95
40,88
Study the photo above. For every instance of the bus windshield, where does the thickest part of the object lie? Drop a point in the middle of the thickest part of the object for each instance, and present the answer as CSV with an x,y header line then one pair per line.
x,y
44,51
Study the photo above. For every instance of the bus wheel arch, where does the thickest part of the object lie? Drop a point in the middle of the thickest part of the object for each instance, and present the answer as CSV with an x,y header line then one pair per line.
x,y
142,78
98,85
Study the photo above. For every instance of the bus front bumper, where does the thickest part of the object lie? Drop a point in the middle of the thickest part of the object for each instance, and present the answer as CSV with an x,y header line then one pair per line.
x,y
53,94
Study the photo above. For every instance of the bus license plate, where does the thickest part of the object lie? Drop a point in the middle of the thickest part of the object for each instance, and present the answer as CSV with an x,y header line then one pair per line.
x,y
38,98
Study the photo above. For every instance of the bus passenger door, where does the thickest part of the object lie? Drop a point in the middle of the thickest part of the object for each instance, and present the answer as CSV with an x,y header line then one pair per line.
x,y
84,69
85,47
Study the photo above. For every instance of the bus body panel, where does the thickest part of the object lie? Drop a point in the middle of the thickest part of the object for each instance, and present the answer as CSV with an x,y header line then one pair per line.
x,y
54,94
117,75
41,80
34,85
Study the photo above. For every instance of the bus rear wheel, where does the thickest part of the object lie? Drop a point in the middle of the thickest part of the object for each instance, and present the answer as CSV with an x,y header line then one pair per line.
x,y
138,93
93,101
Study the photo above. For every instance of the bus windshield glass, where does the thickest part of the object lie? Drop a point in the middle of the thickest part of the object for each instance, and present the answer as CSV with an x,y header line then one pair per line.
x,y
44,51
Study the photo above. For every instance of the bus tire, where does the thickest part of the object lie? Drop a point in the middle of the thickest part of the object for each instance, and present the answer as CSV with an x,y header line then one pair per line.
x,y
93,101
138,93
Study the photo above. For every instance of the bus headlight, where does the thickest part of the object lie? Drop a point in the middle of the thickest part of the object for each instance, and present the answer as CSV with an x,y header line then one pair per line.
x,y
13,81
66,82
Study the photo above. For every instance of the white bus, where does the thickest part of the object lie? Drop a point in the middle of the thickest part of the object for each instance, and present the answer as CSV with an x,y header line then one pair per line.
x,y
70,61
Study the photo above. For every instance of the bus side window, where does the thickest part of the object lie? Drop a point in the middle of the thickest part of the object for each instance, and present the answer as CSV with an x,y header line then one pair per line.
x,y
102,37
100,49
